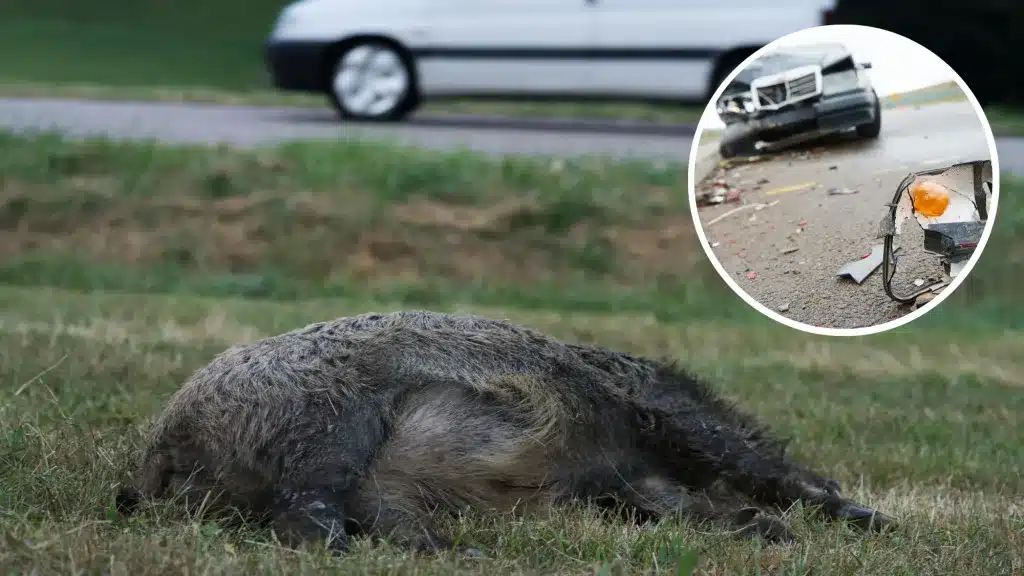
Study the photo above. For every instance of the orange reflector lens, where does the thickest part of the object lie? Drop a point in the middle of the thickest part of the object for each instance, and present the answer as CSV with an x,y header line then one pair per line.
x,y
930,199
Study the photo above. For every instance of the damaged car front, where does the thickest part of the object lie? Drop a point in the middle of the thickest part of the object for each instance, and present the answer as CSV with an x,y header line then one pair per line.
x,y
797,94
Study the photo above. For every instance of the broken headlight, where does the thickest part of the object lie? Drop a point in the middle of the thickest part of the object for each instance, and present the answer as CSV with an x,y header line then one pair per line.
x,y
952,206
735,104
839,82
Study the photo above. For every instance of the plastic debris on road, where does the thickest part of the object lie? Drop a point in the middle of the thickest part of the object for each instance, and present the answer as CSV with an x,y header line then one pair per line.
x,y
860,269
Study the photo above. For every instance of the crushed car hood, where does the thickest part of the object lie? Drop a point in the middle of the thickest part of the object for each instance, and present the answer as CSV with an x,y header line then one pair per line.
x,y
829,55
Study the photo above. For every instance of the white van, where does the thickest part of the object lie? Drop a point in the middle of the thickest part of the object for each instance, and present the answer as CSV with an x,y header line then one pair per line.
x,y
379,59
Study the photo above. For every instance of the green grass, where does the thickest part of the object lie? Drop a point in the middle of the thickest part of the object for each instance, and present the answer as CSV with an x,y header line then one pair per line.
x,y
934,94
323,220
128,266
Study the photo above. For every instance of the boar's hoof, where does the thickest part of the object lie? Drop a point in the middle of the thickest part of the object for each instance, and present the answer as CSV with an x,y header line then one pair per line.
x,y
471,552
770,530
866,518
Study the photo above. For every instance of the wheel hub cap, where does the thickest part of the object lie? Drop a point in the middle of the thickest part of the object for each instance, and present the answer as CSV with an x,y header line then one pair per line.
x,y
371,80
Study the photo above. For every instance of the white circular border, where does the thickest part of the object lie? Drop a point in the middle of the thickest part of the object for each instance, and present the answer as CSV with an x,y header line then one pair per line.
x,y
822,331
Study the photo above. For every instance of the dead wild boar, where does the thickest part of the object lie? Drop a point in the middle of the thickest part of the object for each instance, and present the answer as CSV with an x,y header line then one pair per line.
x,y
369,424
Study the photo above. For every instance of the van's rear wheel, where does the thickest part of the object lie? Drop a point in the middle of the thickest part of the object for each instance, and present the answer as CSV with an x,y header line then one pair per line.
x,y
373,80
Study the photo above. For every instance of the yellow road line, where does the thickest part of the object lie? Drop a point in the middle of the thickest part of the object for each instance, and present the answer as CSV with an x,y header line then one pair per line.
x,y
776,191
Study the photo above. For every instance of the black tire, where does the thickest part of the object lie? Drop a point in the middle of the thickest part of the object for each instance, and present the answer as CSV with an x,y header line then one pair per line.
x,y
737,141
734,149
392,108
872,129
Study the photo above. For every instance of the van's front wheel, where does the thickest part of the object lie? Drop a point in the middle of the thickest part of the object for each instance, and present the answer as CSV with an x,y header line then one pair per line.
x,y
373,80
872,129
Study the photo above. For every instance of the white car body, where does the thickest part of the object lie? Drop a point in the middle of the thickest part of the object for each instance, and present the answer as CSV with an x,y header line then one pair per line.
x,y
638,50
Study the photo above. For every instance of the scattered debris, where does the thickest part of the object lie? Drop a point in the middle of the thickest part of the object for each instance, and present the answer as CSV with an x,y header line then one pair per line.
x,y
751,275
833,167
737,209
784,308
956,268
715,245
861,268
794,188
718,192
746,160
919,282
842,191
923,299
790,250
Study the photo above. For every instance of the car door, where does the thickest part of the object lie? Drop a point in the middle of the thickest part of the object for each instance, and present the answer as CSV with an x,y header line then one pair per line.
x,y
505,47
669,48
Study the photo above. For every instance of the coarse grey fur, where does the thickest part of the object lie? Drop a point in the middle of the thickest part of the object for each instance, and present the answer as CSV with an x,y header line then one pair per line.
x,y
369,424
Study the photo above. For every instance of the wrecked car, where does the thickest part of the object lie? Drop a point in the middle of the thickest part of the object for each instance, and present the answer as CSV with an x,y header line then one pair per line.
x,y
797,94
952,205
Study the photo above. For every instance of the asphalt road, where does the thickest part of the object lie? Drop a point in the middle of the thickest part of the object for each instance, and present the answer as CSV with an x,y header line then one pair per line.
x,y
257,126
795,272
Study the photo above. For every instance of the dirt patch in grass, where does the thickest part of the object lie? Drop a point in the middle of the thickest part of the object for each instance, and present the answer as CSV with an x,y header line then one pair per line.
x,y
463,219
318,234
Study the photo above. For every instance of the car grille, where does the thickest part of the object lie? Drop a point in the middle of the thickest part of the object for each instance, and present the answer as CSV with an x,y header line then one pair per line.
x,y
780,93
772,94
802,86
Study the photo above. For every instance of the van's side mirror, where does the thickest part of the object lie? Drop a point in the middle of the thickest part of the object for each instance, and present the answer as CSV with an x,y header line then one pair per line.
x,y
865,65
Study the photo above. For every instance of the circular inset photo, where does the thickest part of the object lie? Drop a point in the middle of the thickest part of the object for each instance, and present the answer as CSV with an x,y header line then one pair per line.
x,y
843,180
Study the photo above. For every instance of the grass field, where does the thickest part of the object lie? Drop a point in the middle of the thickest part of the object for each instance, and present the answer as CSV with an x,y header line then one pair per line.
x,y
128,266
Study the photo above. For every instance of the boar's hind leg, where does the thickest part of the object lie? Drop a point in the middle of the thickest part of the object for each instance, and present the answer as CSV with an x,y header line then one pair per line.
x,y
772,479
659,497
707,439
755,465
